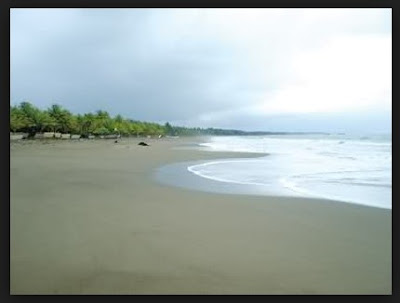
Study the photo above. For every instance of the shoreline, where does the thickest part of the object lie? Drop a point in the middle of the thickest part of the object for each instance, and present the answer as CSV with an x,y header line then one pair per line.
x,y
267,176
87,217
184,179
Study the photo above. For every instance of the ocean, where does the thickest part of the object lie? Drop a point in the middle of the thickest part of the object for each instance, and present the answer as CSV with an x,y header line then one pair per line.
x,y
347,168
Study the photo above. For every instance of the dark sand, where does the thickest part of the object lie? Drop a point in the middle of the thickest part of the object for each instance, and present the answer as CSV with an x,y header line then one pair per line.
x,y
88,218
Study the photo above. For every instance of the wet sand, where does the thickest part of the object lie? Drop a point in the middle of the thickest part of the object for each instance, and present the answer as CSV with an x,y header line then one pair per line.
x,y
88,217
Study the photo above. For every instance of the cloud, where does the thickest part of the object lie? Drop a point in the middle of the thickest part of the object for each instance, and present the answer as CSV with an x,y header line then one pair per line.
x,y
202,65
347,73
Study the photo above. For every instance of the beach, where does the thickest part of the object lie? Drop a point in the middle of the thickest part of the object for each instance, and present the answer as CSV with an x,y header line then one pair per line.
x,y
88,217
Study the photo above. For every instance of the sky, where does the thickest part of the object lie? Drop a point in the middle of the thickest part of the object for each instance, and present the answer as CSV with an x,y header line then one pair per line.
x,y
252,69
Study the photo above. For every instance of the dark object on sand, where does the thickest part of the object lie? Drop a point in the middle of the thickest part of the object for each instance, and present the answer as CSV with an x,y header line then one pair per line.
x,y
143,144
116,141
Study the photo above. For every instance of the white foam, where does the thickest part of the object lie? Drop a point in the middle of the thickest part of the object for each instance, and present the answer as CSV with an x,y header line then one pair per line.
x,y
197,171
354,171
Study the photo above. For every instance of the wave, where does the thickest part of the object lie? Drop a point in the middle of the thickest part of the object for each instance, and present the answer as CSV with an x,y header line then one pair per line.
x,y
353,170
193,169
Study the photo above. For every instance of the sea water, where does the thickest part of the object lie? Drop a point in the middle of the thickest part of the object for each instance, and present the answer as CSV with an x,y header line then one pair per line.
x,y
355,169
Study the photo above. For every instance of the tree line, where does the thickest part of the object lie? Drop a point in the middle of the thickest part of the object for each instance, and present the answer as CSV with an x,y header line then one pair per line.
x,y
27,118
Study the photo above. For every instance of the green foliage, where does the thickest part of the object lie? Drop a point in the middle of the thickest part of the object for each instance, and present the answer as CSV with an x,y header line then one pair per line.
x,y
18,121
27,118
64,120
169,130
101,131
31,119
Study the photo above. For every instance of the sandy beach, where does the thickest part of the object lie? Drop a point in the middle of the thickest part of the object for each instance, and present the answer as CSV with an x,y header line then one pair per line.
x,y
88,217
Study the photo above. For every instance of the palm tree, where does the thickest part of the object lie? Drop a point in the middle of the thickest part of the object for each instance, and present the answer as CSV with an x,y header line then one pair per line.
x,y
63,118
37,120
29,118
56,111
18,121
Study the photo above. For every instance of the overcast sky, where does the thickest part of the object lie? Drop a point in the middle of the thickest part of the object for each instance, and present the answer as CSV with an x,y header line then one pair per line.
x,y
252,69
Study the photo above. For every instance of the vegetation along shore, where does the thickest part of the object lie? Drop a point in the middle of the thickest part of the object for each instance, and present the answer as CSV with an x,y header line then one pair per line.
x,y
29,121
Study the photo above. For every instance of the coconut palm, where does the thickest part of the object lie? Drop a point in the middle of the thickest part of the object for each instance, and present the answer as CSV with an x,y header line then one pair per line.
x,y
63,118
18,121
